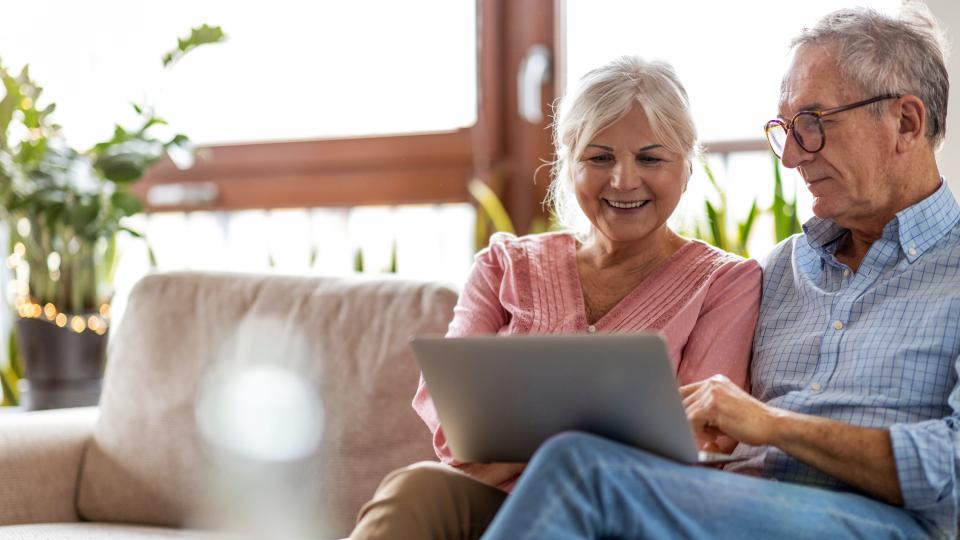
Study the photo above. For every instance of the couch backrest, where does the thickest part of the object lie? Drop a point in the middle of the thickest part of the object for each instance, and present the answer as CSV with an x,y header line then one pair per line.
x,y
348,337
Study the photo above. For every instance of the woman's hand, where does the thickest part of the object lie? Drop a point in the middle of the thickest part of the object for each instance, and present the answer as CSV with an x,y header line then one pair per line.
x,y
717,407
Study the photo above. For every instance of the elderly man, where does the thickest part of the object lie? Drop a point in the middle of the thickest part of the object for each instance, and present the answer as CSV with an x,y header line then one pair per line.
x,y
853,428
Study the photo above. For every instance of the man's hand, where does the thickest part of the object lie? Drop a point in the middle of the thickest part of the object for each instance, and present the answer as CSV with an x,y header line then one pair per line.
x,y
861,457
717,407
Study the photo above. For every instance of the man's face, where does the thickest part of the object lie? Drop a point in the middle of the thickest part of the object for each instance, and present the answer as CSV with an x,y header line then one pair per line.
x,y
849,178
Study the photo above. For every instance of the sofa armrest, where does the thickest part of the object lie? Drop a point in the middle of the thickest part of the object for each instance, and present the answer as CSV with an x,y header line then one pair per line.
x,y
40,457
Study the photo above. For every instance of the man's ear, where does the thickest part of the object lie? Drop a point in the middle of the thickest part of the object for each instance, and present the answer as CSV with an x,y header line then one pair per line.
x,y
911,122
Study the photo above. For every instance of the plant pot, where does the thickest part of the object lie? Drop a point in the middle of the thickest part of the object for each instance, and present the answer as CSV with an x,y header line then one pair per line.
x,y
61,368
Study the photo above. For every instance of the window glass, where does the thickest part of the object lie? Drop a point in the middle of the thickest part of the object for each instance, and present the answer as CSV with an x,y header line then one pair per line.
x,y
729,55
290,69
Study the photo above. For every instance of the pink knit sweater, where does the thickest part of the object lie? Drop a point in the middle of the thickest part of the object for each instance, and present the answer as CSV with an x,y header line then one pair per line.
x,y
703,300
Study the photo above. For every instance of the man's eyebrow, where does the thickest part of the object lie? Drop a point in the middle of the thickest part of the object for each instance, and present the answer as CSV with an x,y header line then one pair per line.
x,y
807,107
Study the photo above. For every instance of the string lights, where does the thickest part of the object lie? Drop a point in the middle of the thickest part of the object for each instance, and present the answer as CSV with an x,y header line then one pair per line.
x,y
96,322
27,308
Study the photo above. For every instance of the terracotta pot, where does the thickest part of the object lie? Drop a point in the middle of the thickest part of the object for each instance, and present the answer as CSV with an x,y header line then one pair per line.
x,y
61,368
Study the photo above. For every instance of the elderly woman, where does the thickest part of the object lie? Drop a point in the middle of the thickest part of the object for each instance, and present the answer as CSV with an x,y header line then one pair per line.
x,y
625,144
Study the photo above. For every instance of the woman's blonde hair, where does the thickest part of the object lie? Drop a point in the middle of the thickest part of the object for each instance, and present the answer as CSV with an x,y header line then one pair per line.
x,y
603,96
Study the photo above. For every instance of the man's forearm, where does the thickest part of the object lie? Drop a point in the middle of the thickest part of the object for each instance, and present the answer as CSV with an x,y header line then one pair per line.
x,y
860,457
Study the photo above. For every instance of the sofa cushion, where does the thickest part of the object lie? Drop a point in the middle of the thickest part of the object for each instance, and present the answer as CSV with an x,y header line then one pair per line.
x,y
104,531
149,463
40,454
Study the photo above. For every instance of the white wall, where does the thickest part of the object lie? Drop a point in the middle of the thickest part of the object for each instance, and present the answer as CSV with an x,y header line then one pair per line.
x,y
948,12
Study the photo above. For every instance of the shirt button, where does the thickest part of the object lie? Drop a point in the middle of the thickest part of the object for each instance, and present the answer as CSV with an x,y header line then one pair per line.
x,y
838,325
816,387
591,329
846,272
912,251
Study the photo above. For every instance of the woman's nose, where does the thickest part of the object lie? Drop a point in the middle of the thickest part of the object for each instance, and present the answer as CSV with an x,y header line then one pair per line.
x,y
626,176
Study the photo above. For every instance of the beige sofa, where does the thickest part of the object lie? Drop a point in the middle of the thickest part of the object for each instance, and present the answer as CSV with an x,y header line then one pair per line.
x,y
137,466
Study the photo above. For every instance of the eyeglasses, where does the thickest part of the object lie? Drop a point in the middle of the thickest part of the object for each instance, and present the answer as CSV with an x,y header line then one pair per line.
x,y
807,128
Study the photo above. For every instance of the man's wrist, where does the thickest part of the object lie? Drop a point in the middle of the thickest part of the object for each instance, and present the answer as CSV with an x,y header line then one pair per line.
x,y
782,427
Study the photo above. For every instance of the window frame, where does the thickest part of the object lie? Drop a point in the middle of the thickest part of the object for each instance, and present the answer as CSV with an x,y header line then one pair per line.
x,y
501,149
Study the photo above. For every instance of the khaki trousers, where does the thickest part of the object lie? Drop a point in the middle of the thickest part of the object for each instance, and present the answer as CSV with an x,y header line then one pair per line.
x,y
428,500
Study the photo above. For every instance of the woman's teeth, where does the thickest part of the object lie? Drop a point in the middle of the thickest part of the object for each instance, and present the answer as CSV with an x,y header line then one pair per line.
x,y
618,204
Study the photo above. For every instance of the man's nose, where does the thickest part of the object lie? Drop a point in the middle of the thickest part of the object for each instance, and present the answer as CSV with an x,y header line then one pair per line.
x,y
793,154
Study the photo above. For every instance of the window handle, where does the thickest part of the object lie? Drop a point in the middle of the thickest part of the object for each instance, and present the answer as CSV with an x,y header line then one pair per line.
x,y
534,72
183,194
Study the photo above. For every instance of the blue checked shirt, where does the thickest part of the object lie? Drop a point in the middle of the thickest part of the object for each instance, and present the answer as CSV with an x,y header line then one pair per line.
x,y
877,348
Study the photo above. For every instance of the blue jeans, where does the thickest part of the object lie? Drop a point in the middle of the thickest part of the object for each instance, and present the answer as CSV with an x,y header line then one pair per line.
x,y
584,486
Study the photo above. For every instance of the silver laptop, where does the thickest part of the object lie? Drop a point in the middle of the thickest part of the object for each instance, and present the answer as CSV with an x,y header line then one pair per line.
x,y
499,397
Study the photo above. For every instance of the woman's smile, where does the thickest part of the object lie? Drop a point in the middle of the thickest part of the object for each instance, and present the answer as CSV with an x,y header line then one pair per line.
x,y
627,205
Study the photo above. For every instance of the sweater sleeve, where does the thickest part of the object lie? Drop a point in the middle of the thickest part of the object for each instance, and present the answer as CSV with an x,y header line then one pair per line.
x,y
478,311
722,338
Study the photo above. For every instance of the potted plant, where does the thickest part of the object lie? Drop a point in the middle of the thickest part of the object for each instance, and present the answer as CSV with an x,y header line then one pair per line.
x,y
64,209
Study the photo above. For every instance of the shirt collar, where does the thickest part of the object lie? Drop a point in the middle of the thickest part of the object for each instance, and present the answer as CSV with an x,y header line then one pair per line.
x,y
925,223
822,234
916,228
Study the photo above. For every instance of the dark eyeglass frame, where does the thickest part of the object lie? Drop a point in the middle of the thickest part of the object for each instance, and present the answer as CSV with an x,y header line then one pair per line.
x,y
788,126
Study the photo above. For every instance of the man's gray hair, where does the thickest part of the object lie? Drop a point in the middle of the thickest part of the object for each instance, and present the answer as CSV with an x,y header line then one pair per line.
x,y
603,96
884,54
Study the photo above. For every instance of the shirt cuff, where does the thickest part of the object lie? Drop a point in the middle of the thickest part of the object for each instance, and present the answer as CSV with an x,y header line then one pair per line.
x,y
925,454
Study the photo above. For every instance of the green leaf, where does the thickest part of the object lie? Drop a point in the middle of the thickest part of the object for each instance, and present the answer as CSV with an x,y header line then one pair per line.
x,y
538,225
744,228
126,203
7,385
199,36
181,151
11,373
715,222
785,220
481,232
151,255
13,355
152,121
747,225
108,265
128,161
490,205
10,104
120,135
392,268
132,232
713,180
82,215
358,261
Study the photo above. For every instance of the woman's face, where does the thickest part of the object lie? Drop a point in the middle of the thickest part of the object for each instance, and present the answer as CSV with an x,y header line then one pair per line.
x,y
627,182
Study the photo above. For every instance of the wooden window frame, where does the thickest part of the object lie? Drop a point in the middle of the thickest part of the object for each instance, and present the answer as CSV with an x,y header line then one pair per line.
x,y
408,169
501,148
